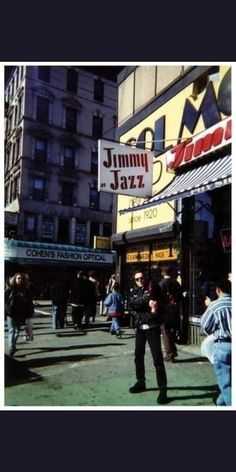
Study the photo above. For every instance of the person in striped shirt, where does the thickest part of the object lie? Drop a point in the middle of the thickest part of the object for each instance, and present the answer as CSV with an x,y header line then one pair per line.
x,y
217,320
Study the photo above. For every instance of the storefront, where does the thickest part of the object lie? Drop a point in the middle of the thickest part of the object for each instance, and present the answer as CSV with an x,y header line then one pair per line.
x,y
191,192
45,262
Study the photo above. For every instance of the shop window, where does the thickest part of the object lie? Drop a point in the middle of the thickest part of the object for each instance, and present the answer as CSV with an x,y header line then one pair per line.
x,y
40,152
97,126
71,119
38,188
94,198
42,112
71,80
98,90
67,193
69,157
94,162
44,73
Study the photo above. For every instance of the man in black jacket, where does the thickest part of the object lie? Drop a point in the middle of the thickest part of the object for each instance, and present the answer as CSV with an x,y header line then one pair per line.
x,y
143,304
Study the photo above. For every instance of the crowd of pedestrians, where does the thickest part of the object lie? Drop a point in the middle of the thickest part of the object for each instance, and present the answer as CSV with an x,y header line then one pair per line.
x,y
155,307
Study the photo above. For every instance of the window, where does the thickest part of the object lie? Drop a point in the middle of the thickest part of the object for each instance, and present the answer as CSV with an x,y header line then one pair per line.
x,y
80,232
72,80
94,162
69,157
63,231
6,194
15,188
42,113
94,198
107,229
71,118
98,90
67,193
30,224
97,126
44,73
40,152
47,227
38,188
94,231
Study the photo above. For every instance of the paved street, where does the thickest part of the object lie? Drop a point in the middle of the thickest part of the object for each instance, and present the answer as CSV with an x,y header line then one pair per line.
x,y
69,368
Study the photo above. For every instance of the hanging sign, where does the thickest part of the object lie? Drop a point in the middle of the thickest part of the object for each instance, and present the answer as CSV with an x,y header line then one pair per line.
x,y
124,169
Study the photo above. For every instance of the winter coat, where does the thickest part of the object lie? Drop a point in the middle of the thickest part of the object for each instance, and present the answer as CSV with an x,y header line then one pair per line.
x,y
19,303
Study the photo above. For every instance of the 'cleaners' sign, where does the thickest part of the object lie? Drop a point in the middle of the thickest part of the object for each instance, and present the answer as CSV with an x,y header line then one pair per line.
x,y
124,169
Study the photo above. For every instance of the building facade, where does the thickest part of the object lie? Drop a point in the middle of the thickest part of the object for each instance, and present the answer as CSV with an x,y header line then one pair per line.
x,y
183,115
54,116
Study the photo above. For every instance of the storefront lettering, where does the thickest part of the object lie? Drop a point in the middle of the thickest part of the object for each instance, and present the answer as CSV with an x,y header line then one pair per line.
x,y
209,110
192,149
116,162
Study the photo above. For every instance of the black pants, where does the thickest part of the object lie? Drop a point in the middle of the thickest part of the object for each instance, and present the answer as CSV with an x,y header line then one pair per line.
x,y
152,336
77,315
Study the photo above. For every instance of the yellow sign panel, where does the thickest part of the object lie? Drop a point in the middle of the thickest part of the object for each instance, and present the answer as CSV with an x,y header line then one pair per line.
x,y
138,254
160,252
164,252
161,177
101,242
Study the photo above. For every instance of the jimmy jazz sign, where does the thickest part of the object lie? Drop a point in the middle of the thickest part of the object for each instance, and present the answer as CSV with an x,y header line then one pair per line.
x,y
124,169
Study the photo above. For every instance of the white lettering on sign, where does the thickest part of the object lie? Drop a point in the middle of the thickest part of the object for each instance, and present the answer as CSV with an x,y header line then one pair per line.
x,y
193,148
52,255
124,170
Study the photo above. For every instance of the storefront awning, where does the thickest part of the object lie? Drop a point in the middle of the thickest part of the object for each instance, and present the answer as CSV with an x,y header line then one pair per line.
x,y
28,252
212,175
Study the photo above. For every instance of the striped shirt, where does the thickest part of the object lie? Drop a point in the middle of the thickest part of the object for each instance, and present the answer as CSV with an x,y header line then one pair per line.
x,y
217,318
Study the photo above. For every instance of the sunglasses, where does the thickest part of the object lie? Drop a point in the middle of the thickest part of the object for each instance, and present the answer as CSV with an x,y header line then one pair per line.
x,y
138,278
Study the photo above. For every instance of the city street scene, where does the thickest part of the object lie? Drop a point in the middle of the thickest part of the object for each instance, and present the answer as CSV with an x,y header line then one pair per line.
x,y
117,242
93,368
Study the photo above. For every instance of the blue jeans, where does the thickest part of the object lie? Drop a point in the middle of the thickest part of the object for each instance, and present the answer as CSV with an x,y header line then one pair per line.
x,y
14,325
58,316
222,367
115,325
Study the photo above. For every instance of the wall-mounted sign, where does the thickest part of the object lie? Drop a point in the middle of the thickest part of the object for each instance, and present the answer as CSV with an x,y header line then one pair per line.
x,y
124,169
164,252
41,253
138,254
198,146
101,242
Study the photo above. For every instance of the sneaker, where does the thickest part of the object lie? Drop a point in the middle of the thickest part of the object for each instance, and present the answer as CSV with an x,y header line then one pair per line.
x,y
162,398
137,388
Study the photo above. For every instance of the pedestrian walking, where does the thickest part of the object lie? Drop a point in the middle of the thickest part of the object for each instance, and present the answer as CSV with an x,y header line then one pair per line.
x,y
78,299
94,297
19,307
172,296
143,304
59,293
216,320
28,330
115,304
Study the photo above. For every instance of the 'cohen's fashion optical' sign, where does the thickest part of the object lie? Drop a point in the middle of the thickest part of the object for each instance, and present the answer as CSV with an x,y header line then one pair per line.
x,y
124,169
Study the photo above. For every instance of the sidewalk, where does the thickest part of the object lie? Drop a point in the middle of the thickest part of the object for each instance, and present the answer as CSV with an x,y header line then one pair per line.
x,y
92,369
